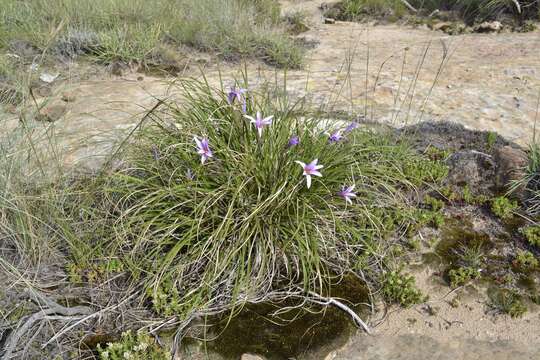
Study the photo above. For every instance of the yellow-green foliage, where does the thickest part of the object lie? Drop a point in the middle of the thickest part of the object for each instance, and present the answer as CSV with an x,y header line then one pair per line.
x,y
425,170
525,260
532,233
133,347
503,207
401,289
462,275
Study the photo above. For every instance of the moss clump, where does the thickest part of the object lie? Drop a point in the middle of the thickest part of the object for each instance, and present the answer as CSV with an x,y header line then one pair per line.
x,y
433,203
134,347
461,276
436,154
525,261
401,289
532,234
503,207
424,170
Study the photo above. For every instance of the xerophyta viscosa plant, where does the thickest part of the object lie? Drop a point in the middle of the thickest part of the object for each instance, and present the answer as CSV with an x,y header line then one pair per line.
x,y
235,196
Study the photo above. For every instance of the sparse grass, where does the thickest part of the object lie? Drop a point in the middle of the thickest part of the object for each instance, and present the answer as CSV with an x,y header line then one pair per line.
x,y
471,11
128,30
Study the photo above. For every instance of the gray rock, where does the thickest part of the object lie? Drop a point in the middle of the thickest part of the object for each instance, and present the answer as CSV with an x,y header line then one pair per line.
x,y
474,169
511,163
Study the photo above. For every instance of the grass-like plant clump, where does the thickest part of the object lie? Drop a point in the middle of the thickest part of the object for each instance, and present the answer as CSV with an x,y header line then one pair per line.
x,y
228,198
507,302
136,30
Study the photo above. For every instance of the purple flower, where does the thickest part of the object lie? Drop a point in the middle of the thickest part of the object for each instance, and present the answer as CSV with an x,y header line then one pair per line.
x,y
335,137
310,169
351,127
203,149
237,94
295,140
347,193
259,122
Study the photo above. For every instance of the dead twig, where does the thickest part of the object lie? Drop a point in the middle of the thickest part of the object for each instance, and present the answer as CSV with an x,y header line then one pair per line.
x,y
53,308
409,6
321,300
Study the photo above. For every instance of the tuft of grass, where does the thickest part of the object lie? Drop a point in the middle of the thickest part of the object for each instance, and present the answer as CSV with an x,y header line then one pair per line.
x,y
128,30
243,226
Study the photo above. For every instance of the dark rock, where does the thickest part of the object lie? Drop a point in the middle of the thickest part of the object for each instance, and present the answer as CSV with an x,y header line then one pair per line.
x,y
450,136
511,165
474,169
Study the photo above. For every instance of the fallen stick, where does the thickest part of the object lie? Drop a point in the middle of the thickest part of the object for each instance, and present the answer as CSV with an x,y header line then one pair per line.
x,y
409,6
332,301
54,308
518,6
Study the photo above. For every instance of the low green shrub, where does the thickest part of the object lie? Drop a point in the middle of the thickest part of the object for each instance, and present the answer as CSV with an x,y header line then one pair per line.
x,y
401,289
532,234
462,275
526,261
140,346
507,302
503,207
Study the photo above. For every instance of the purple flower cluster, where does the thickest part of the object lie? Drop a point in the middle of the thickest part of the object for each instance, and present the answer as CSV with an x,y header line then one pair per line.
x,y
260,122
